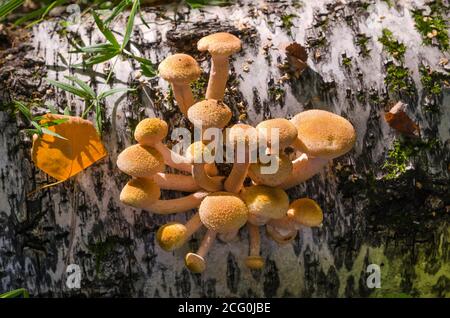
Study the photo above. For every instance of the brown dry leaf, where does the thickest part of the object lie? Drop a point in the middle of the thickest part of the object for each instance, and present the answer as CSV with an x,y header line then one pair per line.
x,y
61,158
297,57
400,121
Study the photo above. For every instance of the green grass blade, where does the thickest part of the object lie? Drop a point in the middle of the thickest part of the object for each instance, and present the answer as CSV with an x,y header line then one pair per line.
x,y
16,293
52,133
9,6
97,48
115,91
130,24
46,10
117,10
105,31
69,88
23,109
85,87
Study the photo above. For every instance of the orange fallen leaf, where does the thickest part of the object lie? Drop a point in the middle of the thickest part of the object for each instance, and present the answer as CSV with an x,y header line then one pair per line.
x,y
400,121
64,158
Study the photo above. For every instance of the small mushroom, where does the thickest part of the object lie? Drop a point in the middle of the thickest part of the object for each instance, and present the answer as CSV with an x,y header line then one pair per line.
x,y
305,212
196,153
264,203
209,113
220,212
282,230
284,171
323,134
180,70
254,260
220,46
287,132
173,235
303,168
140,161
151,132
144,194
240,134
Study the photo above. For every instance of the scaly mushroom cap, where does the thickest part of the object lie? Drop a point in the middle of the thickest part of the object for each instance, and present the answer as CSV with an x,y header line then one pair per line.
x,y
323,134
266,202
209,113
195,263
140,193
223,212
179,68
171,236
254,262
271,179
241,133
221,43
140,161
150,131
287,131
306,212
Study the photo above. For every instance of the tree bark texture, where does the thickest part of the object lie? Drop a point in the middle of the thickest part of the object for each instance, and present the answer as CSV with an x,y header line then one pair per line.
x,y
400,224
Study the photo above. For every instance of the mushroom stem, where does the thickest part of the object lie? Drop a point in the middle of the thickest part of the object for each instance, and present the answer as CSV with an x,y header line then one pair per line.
x,y
255,239
176,205
176,182
303,169
204,180
183,95
193,225
237,177
206,244
218,77
172,159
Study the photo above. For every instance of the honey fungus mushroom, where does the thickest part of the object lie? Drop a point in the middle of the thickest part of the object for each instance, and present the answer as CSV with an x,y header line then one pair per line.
x,y
281,128
173,235
220,45
220,212
283,172
150,132
264,204
180,70
302,212
209,113
322,134
140,161
238,136
144,193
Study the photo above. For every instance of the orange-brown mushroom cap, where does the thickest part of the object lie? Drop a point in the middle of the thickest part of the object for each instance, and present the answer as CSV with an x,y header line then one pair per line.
x,y
150,131
195,263
209,113
179,68
223,212
254,262
306,212
287,131
271,179
140,193
266,202
221,43
171,236
140,161
323,134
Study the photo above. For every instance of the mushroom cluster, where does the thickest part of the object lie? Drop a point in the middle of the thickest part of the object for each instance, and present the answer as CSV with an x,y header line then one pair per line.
x,y
247,195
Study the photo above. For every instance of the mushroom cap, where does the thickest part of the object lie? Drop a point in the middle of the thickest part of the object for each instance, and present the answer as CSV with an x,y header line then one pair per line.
x,y
150,131
254,262
171,236
266,202
271,179
287,131
221,43
323,134
223,212
306,212
209,113
140,193
179,68
241,133
140,161
280,238
195,263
